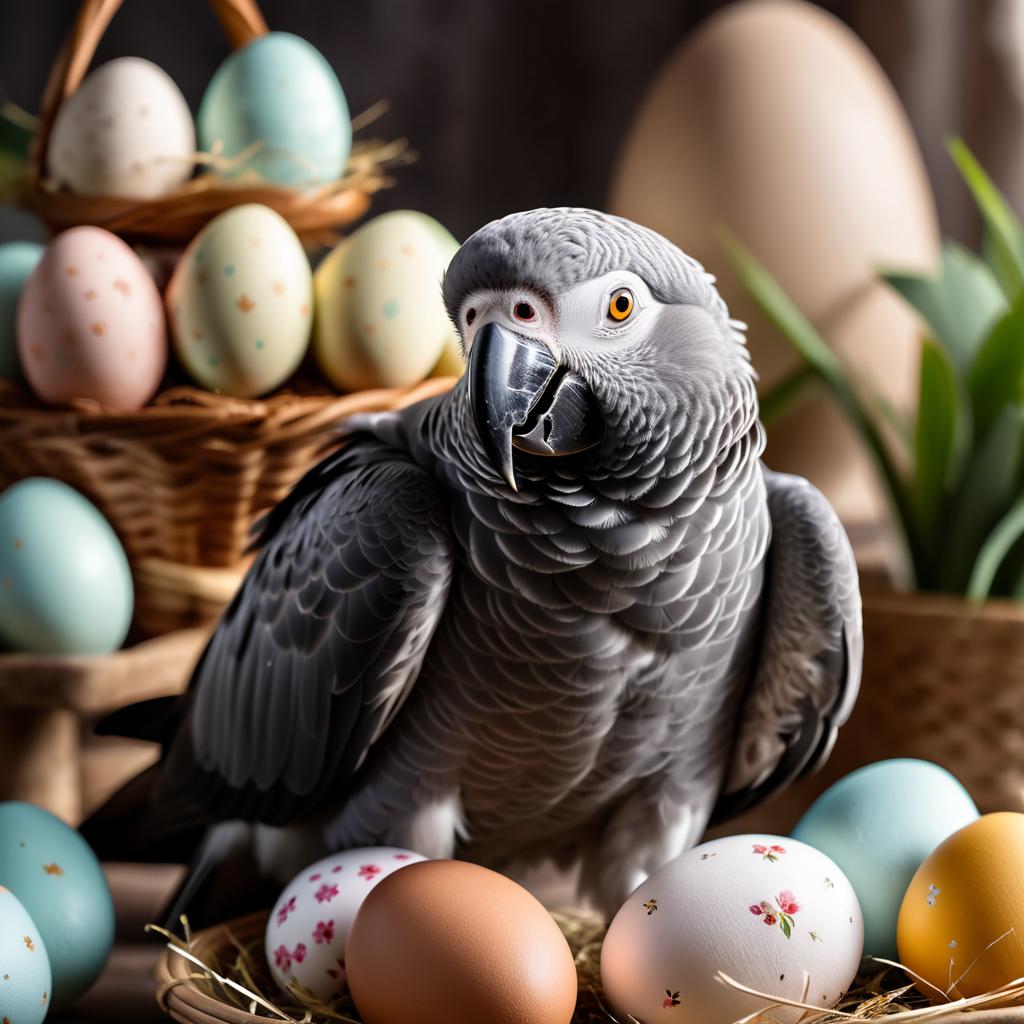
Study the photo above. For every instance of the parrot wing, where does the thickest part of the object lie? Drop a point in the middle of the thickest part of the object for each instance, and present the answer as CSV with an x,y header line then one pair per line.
x,y
320,647
808,669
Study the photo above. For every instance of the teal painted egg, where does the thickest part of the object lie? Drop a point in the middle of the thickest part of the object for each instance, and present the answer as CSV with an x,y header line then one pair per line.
x,y
278,100
65,583
57,878
17,261
878,824
26,984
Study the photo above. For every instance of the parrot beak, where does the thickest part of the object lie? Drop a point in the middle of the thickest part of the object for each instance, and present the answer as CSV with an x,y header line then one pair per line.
x,y
523,397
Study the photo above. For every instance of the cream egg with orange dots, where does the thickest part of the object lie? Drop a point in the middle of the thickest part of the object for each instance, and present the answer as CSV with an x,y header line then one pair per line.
x,y
961,925
240,303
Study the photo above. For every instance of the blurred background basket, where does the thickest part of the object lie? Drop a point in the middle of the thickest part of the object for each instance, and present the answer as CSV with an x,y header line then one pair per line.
x,y
182,479
315,214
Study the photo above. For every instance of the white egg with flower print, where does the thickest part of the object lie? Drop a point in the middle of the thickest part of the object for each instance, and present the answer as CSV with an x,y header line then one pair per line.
x,y
308,927
772,914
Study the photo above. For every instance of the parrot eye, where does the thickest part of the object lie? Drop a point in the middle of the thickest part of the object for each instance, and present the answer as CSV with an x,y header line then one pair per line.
x,y
470,316
620,305
524,311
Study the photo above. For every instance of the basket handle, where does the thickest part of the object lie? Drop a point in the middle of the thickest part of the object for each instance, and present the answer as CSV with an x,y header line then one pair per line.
x,y
241,20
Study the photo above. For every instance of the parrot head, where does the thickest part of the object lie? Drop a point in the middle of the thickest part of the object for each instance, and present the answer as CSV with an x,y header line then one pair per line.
x,y
588,335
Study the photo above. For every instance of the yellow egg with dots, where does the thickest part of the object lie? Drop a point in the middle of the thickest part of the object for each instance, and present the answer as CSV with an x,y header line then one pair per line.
x,y
961,925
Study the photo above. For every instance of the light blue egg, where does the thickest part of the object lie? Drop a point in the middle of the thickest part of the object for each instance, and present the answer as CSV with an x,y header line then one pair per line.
x,y
878,824
17,261
278,91
65,583
26,984
57,878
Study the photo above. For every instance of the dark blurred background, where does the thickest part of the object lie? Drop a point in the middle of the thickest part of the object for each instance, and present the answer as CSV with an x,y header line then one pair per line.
x,y
512,104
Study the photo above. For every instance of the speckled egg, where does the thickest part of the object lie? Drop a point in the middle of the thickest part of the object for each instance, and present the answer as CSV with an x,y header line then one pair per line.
x,y
307,929
878,824
91,323
276,110
26,984
380,319
446,942
56,877
126,131
961,925
17,261
766,911
241,302
65,583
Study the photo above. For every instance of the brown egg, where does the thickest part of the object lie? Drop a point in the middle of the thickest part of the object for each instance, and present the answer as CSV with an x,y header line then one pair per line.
x,y
446,942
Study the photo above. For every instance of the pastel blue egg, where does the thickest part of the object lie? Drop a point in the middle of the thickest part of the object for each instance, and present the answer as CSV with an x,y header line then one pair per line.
x,y
17,261
57,878
26,984
878,824
65,583
279,94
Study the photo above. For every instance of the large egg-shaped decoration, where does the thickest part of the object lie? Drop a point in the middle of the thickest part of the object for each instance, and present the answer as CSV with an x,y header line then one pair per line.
x,y
126,131
17,261
91,323
446,942
57,879
309,925
26,983
241,302
741,129
961,925
878,824
770,913
380,318
65,582
275,110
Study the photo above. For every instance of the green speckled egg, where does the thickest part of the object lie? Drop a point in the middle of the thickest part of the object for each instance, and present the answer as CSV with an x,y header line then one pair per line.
x,y
380,318
65,583
279,101
58,880
17,261
26,984
241,302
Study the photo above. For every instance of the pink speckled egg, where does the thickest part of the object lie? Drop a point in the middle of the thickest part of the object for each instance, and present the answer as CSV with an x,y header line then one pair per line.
x,y
91,323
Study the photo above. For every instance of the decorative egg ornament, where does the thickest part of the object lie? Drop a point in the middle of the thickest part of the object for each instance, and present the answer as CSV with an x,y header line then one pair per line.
x,y
380,318
878,824
91,323
308,927
59,882
771,913
961,926
241,302
446,942
65,582
17,261
276,110
26,984
126,131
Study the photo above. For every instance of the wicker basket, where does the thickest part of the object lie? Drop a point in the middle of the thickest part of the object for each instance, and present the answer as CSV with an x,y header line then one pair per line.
x,y
181,480
315,214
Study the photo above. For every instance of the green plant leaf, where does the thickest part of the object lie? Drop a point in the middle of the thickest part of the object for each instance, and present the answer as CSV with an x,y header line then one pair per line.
x,y
781,397
1004,234
990,486
939,438
803,336
1000,542
997,375
960,305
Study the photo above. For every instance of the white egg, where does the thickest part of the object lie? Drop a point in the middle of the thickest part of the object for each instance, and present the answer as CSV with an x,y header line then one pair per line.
x,y
771,913
308,927
126,131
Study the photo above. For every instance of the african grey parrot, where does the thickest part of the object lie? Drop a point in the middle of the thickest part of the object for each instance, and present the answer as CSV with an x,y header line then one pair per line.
x,y
562,610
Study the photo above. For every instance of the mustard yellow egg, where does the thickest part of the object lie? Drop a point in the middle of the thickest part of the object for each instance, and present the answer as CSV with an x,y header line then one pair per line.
x,y
961,925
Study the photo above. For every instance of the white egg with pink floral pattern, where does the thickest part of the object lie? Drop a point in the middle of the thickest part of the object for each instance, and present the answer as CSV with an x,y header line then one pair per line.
x,y
773,914
307,929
